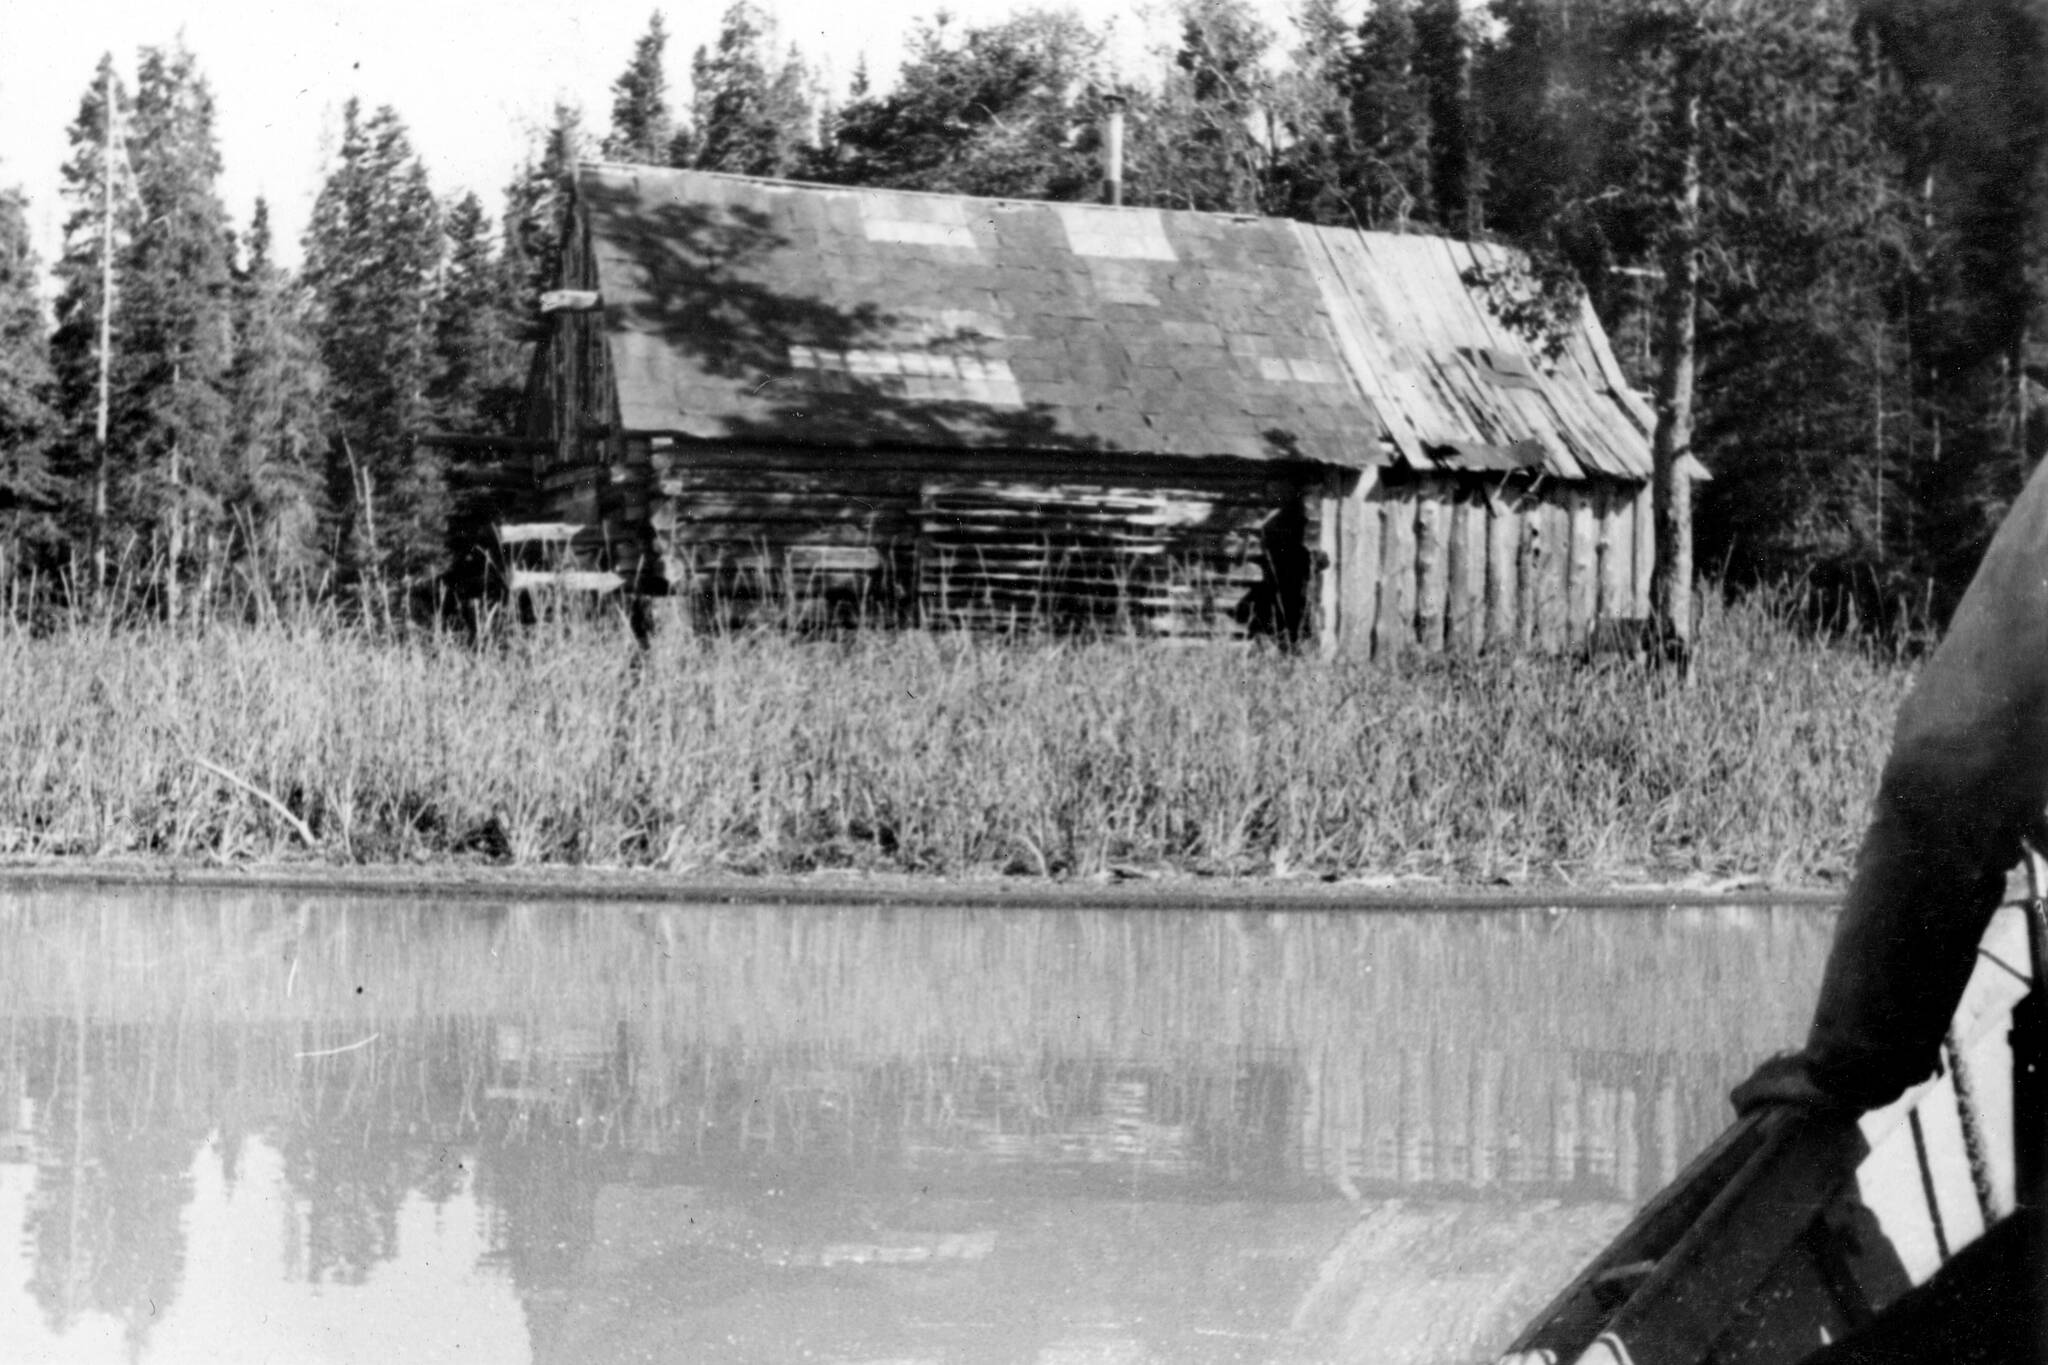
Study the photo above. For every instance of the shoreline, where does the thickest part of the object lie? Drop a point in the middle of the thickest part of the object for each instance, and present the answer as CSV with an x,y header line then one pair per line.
x,y
1166,891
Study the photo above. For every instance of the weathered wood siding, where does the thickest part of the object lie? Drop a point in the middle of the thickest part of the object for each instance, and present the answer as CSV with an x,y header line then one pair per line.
x,y
1384,561
982,541
582,399
770,536
1169,560
1470,562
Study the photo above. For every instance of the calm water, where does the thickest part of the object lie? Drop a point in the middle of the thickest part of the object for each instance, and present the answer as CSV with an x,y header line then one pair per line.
x,y
308,1128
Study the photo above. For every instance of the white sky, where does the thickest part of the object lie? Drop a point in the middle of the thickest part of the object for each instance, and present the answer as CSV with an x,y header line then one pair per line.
x,y
472,78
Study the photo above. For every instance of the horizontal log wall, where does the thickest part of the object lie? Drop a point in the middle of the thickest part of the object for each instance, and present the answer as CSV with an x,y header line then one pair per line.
x,y
1166,560
976,541
1471,562
1456,562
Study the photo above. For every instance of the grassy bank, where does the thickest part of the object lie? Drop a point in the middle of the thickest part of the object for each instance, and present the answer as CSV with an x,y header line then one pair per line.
x,y
306,737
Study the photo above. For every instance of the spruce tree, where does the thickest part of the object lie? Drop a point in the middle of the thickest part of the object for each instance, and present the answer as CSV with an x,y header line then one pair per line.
x,y
1975,80
1321,169
373,253
1390,118
1004,109
536,213
1443,58
28,483
1533,94
475,383
99,191
752,113
172,416
1201,148
277,494
643,129
1625,141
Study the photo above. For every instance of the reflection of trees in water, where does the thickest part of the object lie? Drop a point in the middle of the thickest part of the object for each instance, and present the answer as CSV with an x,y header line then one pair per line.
x,y
365,1127
1136,984
118,1113
348,1190
1162,1056
539,1199
113,1161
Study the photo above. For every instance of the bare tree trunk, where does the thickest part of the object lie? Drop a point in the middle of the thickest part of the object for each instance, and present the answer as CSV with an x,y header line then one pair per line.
x,y
1671,445
175,555
99,470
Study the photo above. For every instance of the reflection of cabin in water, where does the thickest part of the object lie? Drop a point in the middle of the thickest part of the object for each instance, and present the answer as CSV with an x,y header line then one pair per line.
x,y
966,412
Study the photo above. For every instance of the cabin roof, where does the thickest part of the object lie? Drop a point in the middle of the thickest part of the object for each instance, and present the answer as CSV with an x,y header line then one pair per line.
x,y
745,309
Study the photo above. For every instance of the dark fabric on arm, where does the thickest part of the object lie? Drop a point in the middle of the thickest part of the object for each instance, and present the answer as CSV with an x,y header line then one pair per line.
x,y
1967,777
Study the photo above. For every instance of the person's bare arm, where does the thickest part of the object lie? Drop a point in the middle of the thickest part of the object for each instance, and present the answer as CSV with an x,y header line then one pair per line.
x,y
1966,779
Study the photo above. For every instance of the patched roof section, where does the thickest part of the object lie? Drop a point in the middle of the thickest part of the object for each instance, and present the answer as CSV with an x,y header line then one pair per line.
x,y
749,309
1455,386
740,308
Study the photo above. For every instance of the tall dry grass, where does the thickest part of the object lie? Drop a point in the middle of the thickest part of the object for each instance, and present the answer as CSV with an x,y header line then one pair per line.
x,y
290,731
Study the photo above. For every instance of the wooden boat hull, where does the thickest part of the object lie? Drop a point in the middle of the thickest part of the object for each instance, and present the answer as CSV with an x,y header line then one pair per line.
x,y
1801,1237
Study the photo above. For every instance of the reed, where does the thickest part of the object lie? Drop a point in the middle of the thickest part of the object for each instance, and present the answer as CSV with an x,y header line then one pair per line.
x,y
296,730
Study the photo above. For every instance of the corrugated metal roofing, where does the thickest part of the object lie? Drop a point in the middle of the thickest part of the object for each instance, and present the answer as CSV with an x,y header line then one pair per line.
x,y
750,309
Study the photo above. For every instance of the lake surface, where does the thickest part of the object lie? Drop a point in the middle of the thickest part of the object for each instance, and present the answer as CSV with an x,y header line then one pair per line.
x,y
288,1126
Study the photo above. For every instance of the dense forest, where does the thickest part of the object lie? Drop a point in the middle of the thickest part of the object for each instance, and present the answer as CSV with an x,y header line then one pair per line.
x,y
1839,210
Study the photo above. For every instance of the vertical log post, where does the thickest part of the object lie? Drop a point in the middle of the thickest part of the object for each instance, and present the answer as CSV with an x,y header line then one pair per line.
x,y
1582,574
1642,526
1394,631
1467,624
1332,531
1433,564
1502,581
1358,565
1553,574
1528,573
1616,557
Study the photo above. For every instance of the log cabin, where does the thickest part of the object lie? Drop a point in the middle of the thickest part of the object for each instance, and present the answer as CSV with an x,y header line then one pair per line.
x,y
772,398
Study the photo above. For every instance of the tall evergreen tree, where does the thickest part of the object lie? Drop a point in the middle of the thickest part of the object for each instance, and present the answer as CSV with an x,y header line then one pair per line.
x,y
1532,99
373,253
1319,165
1203,146
1004,109
1390,113
752,113
1771,256
99,191
536,210
28,484
1975,78
277,494
172,418
1809,242
1443,58
475,381
643,128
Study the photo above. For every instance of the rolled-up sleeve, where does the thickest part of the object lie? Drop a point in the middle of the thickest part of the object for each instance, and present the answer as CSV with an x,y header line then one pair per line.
x,y
1967,777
